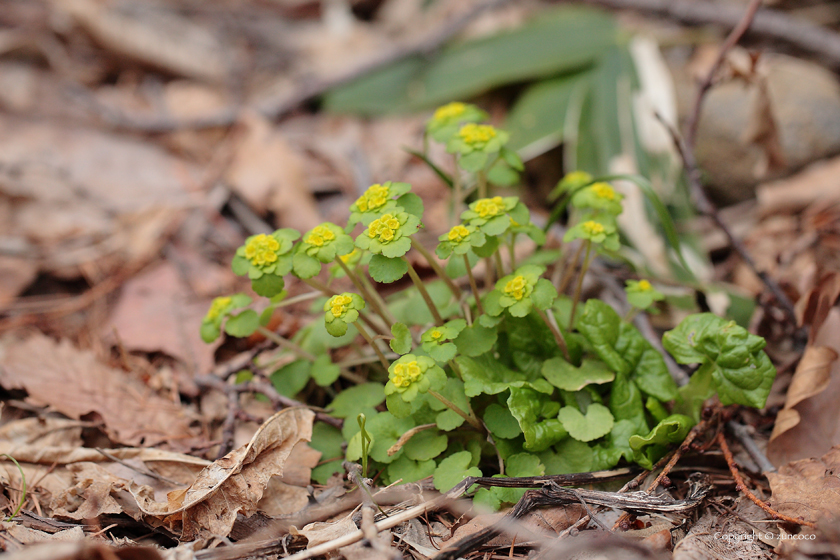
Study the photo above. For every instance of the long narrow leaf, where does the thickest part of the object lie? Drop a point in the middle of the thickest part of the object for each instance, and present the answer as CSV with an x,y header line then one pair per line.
x,y
438,171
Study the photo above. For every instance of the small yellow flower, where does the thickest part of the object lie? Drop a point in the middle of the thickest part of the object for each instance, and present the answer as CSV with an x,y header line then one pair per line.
x,y
516,288
593,228
644,286
338,305
374,197
261,250
436,334
217,307
450,111
604,191
384,227
472,133
490,207
401,381
351,255
319,236
458,234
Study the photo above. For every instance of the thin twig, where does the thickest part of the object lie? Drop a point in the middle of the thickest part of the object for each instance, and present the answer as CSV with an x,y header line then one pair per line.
x,y
748,443
739,483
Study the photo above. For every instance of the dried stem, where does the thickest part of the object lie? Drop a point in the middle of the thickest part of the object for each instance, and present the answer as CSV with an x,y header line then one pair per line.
x,y
473,285
739,482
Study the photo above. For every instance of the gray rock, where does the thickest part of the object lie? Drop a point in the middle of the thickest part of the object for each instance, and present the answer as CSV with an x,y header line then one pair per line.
x,y
805,103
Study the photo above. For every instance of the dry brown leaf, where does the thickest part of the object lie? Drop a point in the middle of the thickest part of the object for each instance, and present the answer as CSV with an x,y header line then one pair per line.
x,y
92,496
816,183
809,488
157,312
235,483
86,550
25,535
154,36
268,174
320,532
75,383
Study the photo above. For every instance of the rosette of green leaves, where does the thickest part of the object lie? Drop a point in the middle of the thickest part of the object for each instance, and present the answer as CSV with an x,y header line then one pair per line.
x,y
732,361
519,292
475,143
321,244
341,310
266,258
389,234
411,375
447,119
437,341
459,240
599,197
570,183
375,201
642,294
222,308
598,231
494,216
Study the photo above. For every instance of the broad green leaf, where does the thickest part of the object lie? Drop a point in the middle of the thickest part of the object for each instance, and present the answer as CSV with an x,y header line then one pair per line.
x,y
426,445
324,372
597,423
653,446
528,342
446,419
626,403
741,371
352,400
567,377
408,470
305,266
600,324
544,294
385,270
328,440
453,470
290,379
485,374
571,456
559,41
500,422
521,464
412,204
401,343
242,325
268,285
209,332
386,430
476,340
536,414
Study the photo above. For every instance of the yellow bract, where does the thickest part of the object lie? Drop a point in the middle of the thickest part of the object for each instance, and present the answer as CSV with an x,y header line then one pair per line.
x,y
593,228
449,111
436,334
384,227
375,197
458,234
477,133
319,236
217,307
644,286
261,249
603,190
516,288
338,305
406,374
351,255
489,207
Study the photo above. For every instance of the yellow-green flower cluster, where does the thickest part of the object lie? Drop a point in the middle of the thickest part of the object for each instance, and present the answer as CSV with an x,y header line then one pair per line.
x,y
475,144
496,215
600,232
570,183
321,244
266,258
341,310
459,240
388,235
220,309
519,292
437,340
642,294
378,199
447,119
411,375
598,198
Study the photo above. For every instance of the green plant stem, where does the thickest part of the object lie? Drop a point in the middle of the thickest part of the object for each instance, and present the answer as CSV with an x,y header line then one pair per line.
x,y
456,369
512,251
558,336
382,303
23,487
372,343
631,314
457,194
371,299
327,291
456,291
481,177
497,258
425,294
472,420
303,354
473,285
489,280
583,268
569,272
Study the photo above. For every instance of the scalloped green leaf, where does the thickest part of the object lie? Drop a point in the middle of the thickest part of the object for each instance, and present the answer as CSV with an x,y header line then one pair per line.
x,y
501,422
386,270
352,400
243,324
652,447
476,340
597,422
426,445
401,343
453,470
567,377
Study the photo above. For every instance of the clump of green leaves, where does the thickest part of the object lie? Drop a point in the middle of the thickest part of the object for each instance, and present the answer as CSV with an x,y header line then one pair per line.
x,y
520,370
